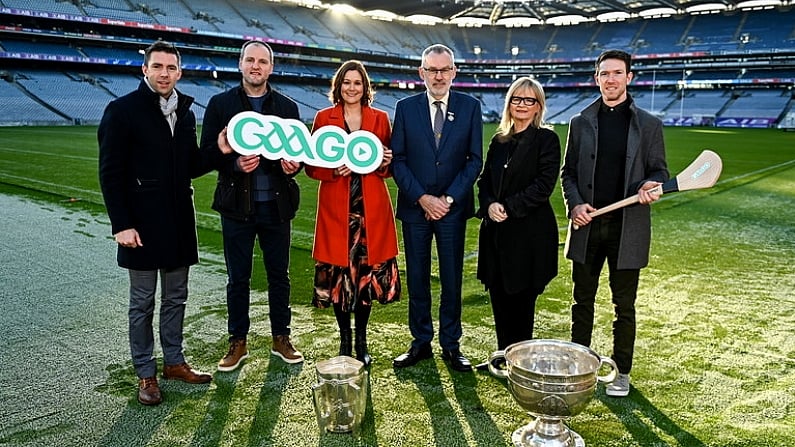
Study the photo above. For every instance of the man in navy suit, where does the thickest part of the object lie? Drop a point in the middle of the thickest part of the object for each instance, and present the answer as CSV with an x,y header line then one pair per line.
x,y
437,146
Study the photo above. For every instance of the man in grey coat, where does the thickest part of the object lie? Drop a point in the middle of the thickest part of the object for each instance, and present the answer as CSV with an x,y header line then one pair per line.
x,y
613,150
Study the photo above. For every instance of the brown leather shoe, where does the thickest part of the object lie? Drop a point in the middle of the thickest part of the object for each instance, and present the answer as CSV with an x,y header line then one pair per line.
x,y
184,373
148,391
237,353
285,350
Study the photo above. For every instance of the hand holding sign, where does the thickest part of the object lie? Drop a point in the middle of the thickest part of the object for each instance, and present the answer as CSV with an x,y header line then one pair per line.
x,y
329,147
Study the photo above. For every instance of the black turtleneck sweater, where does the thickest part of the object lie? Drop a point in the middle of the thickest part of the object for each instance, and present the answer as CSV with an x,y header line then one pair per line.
x,y
611,153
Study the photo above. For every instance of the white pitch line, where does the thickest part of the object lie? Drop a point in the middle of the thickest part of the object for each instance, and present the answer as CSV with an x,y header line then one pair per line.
x,y
49,154
721,182
56,186
87,192
758,171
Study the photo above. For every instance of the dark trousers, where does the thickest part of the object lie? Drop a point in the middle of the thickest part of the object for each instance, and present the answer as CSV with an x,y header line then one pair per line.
x,y
417,238
274,241
603,243
173,295
514,314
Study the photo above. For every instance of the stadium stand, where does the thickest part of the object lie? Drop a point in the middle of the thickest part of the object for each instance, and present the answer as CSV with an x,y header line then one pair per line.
x,y
22,108
214,17
706,103
573,108
714,32
35,47
76,98
118,84
715,69
768,104
654,101
116,11
44,5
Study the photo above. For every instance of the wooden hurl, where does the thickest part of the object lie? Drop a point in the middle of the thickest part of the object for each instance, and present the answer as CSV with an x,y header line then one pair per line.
x,y
702,173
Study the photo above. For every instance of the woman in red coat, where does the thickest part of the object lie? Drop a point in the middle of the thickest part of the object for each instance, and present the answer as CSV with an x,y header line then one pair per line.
x,y
355,238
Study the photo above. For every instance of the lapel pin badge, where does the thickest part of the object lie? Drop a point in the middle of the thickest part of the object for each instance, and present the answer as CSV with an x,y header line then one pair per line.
x,y
450,116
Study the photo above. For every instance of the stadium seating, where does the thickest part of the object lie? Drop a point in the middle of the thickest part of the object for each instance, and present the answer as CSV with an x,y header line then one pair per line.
x,y
654,101
79,99
757,104
82,93
661,36
705,103
44,5
21,109
36,47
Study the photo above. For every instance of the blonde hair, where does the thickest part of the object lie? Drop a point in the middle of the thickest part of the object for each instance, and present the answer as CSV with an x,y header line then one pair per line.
x,y
505,128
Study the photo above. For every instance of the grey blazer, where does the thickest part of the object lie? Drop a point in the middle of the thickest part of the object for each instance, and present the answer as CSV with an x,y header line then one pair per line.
x,y
645,162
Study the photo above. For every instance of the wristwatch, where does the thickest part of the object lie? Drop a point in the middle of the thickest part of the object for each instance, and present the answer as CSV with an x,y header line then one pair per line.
x,y
449,200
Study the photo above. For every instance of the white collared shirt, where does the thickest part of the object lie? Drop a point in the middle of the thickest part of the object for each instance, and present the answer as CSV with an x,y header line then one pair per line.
x,y
432,108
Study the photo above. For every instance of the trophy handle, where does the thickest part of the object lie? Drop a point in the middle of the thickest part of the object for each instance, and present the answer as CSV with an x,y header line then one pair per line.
x,y
494,369
611,376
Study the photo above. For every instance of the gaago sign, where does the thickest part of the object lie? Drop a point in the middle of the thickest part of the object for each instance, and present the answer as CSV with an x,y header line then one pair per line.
x,y
329,147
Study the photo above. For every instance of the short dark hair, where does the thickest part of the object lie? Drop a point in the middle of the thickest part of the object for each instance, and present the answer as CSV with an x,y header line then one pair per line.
x,y
248,43
335,95
614,54
163,47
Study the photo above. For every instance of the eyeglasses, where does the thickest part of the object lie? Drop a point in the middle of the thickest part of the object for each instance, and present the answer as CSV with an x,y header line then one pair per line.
x,y
436,71
516,100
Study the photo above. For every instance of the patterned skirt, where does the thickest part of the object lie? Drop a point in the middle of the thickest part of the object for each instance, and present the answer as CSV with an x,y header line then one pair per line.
x,y
357,284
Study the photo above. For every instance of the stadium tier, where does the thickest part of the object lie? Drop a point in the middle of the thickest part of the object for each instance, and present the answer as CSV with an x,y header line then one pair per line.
x,y
64,60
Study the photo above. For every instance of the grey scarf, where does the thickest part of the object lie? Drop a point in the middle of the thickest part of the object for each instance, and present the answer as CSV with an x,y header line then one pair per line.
x,y
167,106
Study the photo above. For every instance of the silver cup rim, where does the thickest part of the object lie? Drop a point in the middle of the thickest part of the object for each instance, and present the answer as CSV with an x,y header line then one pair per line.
x,y
551,342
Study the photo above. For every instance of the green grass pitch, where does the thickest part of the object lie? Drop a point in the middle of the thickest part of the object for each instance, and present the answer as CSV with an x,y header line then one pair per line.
x,y
714,364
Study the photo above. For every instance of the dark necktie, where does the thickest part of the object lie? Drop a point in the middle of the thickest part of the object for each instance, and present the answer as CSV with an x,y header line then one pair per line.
x,y
438,122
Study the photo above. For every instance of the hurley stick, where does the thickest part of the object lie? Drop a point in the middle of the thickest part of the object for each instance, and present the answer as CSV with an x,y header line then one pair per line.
x,y
702,173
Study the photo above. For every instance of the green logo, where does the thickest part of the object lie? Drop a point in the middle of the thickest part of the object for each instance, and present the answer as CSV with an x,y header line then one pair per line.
x,y
329,147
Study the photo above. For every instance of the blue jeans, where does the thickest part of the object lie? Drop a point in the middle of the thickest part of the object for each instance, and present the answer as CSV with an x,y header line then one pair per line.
x,y
417,237
274,241
174,293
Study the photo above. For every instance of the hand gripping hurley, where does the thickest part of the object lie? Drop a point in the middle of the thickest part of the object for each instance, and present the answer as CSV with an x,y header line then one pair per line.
x,y
702,173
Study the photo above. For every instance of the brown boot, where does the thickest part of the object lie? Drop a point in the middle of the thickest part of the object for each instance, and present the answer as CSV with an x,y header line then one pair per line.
x,y
285,350
185,373
237,353
148,391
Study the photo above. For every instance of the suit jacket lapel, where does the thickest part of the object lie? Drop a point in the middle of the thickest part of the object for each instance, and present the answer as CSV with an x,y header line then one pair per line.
x,y
424,114
448,125
633,143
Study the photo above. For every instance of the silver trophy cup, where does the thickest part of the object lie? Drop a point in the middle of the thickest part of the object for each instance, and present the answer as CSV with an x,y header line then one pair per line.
x,y
553,380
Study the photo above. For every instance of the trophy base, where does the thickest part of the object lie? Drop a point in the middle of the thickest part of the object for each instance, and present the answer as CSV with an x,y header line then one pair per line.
x,y
545,433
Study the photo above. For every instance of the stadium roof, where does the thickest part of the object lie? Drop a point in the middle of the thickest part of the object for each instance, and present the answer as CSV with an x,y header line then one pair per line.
x,y
530,12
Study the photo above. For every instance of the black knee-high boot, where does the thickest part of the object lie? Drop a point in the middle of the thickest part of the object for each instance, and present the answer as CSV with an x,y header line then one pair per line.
x,y
362,316
344,323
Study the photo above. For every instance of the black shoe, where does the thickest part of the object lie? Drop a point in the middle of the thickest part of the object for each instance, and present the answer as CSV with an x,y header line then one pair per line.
x,y
361,348
346,344
456,360
412,356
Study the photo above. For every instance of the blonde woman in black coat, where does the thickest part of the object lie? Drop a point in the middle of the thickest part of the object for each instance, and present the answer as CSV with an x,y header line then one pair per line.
x,y
518,234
